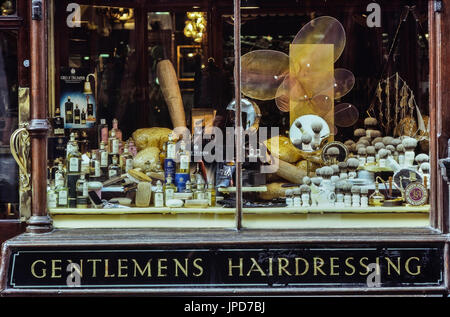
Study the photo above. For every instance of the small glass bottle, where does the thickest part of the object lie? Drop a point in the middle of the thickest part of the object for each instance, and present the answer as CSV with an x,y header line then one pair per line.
x,y
73,156
126,160
158,197
52,197
305,190
184,160
200,190
60,177
211,193
114,168
95,171
113,143
171,147
63,196
377,198
188,188
102,132
103,156
169,189
115,128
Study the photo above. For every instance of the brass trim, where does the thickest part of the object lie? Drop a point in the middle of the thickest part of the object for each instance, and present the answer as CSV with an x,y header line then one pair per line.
x,y
20,150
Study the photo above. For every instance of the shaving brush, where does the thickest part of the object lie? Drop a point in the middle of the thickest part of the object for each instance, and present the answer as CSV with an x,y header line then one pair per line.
x,y
352,166
306,141
316,127
333,153
410,145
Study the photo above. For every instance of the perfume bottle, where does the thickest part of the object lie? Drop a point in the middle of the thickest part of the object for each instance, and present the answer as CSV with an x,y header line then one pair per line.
x,y
169,189
102,132
68,109
103,156
52,197
83,117
158,195
184,160
376,198
76,115
115,128
73,156
211,195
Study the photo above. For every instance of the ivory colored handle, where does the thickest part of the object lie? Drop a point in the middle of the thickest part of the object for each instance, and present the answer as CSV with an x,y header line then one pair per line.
x,y
290,172
171,91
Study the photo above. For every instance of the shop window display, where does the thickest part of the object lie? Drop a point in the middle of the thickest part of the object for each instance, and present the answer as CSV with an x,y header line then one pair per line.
x,y
334,114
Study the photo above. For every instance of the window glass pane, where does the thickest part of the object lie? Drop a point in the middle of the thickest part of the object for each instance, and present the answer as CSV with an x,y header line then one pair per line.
x,y
9,187
7,7
127,77
346,85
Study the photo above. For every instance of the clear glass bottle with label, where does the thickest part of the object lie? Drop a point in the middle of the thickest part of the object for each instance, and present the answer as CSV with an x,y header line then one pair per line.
x,y
211,195
114,168
200,190
52,197
183,166
63,196
60,176
126,160
169,189
171,148
95,172
115,128
73,157
103,156
113,143
158,197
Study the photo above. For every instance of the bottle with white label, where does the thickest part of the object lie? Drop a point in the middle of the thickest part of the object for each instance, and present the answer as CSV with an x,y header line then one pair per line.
x,y
52,197
211,195
114,168
60,177
103,157
126,160
95,171
63,196
159,195
73,157
169,189
113,144
200,190
171,148
184,160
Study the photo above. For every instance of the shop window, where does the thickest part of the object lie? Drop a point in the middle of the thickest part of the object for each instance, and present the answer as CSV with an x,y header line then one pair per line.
x,y
9,188
334,112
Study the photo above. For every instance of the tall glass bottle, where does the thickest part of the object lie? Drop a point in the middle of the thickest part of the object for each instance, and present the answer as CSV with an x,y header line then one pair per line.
x,y
169,189
95,171
183,166
60,176
73,157
102,131
103,156
158,197
113,144
126,160
115,128
76,115
68,109
83,117
114,168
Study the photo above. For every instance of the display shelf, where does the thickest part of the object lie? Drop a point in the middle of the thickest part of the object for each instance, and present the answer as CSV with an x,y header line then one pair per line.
x,y
221,210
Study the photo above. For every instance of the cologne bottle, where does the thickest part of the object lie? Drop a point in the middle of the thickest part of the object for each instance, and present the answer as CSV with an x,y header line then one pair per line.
x,y
126,160
169,189
76,115
211,195
58,125
200,190
95,171
113,143
90,108
102,132
63,196
103,156
183,166
377,198
82,192
60,176
83,117
73,156
115,128
52,197
171,148
158,195
68,109
114,168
